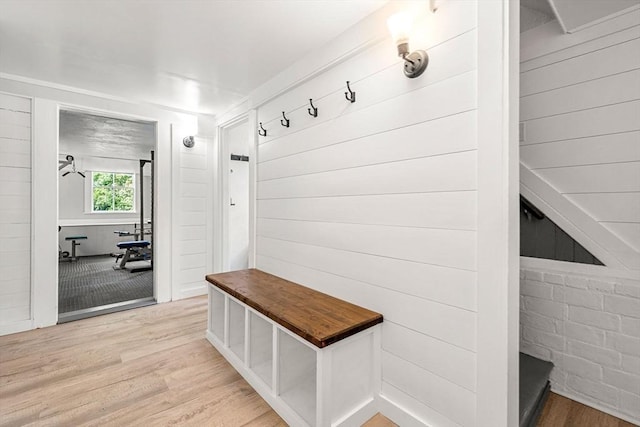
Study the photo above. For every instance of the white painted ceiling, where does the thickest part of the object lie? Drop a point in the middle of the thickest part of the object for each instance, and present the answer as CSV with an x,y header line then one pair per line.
x,y
192,55
86,135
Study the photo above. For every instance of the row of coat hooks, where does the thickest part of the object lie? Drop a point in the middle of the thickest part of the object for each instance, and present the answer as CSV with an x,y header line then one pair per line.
x,y
312,110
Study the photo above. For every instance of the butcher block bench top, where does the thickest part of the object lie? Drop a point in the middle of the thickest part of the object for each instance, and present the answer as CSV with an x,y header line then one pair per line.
x,y
318,318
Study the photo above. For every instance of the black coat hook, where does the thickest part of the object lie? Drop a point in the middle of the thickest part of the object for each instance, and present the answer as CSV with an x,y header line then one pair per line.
x,y
284,122
262,131
351,95
313,111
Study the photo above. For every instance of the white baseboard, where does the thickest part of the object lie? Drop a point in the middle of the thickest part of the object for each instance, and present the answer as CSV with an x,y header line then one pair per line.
x,y
597,406
397,414
14,328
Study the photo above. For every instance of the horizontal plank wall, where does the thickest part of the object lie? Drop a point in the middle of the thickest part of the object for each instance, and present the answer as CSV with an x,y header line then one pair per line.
x,y
193,215
15,212
374,202
580,107
47,98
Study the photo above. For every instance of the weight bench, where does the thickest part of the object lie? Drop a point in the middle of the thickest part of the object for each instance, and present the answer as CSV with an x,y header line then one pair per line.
x,y
74,243
136,250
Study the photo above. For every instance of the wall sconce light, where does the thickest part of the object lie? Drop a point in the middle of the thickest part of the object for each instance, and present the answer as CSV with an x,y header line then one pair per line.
x,y
414,62
189,141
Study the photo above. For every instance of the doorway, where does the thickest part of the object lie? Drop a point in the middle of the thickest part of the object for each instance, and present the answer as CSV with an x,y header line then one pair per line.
x,y
105,214
236,165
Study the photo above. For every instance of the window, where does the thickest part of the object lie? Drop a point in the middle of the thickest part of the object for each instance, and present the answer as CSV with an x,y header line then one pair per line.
x,y
112,192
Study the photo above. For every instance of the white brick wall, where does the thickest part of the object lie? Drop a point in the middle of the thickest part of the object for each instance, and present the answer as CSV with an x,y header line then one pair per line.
x,y
590,329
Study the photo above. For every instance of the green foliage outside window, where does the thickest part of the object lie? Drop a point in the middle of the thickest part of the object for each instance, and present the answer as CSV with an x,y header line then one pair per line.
x,y
112,192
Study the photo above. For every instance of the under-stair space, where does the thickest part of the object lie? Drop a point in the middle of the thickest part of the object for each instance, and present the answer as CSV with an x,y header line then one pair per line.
x,y
534,388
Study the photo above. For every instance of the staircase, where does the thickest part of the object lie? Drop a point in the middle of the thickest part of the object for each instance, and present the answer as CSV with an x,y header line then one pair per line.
x,y
534,388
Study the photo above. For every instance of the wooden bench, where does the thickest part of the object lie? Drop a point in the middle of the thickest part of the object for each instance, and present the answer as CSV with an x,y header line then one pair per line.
x,y
313,357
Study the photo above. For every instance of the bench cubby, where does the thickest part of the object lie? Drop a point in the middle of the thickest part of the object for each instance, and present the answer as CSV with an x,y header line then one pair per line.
x,y
314,358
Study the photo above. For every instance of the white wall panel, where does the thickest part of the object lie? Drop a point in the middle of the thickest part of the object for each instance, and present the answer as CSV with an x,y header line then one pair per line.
x,y
439,321
375,203
627,231
614,59
15,210
611,148
453,210
609,119
606,178
412,176
456,403
581,111
448,248
194,218
607,90
610,207
436,283
447,135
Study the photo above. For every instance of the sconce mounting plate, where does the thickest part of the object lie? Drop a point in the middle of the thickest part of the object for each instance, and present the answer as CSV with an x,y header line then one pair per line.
x,y
189,141
415,63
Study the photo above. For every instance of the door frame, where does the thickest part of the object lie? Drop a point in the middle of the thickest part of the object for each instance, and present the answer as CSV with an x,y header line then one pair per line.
x,y
45,186
221,191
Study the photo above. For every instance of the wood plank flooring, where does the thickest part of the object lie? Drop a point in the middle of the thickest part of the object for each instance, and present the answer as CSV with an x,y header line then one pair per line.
x,y
559,411
153,367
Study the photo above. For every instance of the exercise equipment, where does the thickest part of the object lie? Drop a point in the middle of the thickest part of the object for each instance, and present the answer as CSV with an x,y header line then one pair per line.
x,y
69,160
74,243
62,255
136,250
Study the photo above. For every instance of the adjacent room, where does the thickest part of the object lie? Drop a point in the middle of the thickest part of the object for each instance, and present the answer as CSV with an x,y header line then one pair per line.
x,y
105,211
320,213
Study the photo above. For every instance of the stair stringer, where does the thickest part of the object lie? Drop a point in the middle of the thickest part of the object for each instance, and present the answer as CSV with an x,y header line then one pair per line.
x,y
582,227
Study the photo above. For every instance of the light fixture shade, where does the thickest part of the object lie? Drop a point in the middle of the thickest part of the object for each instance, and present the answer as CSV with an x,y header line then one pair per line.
x,y
400,27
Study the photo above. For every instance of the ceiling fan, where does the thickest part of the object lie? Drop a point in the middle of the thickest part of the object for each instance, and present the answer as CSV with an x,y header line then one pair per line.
x,y
69,161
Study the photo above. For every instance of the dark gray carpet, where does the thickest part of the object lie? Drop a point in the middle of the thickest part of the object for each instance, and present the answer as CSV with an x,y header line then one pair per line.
x,y
92,282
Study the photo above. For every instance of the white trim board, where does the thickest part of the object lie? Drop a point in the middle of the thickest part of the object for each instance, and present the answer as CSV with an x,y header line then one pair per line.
x,y
576,268
594,405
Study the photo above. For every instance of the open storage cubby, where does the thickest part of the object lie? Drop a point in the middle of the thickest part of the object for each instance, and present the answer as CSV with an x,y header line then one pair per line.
x,y
314,358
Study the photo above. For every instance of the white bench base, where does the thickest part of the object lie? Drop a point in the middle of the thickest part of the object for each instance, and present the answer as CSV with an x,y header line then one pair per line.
x,y
307,386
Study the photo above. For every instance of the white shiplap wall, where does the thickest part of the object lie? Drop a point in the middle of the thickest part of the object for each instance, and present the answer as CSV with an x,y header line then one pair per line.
x,y
580,104
375,202
15,210
194,221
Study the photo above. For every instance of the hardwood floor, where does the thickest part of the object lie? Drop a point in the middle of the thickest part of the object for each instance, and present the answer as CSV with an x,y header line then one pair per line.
x,y
153,367
150,366
562,412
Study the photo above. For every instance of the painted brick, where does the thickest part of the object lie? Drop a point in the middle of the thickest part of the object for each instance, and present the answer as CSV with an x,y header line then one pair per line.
x,y
558,293
601,286
538,321
630,326
595,318
622,380
558,378
577,282
521,274
628,288
595,354
584,333
582,368
536,289
555,279
545,307
623,343
622,305
596,390
544,339
583,298
630,404
631,364
533,275
535,350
